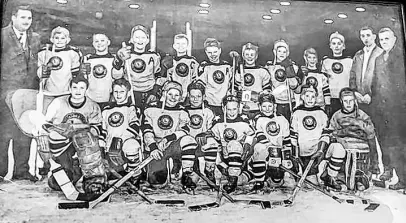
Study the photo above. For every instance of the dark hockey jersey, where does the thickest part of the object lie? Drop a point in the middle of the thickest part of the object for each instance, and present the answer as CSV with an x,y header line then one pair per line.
x,y
217,78
338,72
255,79
100,77
142,67
235,129
320,81
273,130
120,120
184,71
164,122
280,83
64,64
308,125
201,119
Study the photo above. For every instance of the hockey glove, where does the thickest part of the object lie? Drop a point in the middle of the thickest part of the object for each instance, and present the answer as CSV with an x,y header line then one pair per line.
x,y
124,52
155,152
202,137
305,70
247,151
114,153
288,65
223,170
46,71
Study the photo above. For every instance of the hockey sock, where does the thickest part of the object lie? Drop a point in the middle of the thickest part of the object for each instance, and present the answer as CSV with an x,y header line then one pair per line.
x,y
234,163
188,156
334,165
259,170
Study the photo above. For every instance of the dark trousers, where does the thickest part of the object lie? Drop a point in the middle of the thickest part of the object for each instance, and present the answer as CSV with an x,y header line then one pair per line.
x,y
21,143
335,106
284,109
395,157
217,110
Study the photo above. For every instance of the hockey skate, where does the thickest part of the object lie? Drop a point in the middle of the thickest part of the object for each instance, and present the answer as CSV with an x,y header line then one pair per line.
x,y
331,182
210,175
231,185
387,174
188,183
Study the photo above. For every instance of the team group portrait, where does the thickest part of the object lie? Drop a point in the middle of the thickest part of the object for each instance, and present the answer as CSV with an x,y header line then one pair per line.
x,y
197,111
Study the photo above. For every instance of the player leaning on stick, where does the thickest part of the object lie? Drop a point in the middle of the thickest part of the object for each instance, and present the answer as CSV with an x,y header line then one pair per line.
x,y
234,135
120,130
273,146
141,67
216,74
251,79
310,134
166,135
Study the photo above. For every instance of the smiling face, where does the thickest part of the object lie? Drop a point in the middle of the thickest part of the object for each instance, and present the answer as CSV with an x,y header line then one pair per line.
x,y
196,98
213,53
140,40
173,97
60,40
387,40
250,56
337,46
78,91
309,99
367,37
180,45
120,94
101,43
267,108
281,54
311,60
232,109
22,20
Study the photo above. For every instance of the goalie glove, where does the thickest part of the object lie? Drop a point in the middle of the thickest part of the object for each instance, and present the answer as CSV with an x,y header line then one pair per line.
x,y
202,137
114,152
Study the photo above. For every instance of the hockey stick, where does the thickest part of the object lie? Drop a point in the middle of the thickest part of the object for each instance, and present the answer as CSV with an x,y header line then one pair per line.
x,y
144,196
301,181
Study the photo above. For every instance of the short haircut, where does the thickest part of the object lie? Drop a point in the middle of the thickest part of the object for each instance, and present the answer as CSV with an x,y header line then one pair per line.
x,y
367,28
181,36
310,50
78,78
196,85
211,42
21,7
122,82
100,34
60,30
387,29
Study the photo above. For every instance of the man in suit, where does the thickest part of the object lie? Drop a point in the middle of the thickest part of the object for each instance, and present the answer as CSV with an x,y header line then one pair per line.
x,y
19,48
388,106
363,67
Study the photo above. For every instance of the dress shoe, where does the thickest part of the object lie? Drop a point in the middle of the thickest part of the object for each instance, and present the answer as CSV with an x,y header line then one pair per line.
x,y
398,186
25,176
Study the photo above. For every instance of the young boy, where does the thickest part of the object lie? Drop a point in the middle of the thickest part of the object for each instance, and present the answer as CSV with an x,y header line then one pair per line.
x,y
201,120
338,68
234,136
273,145
215,74
284,78
120,129
100,70
312,75
354,129
140,65
181,68
59,62
76,153
310,134
166,135
252,80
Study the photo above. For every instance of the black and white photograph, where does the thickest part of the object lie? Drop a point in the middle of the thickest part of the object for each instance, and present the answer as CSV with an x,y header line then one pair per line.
x,y
203,111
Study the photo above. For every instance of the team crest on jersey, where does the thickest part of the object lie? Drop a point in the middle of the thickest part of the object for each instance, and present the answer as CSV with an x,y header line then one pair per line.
x,y
165,122
280,75
56,63
249,79
99,71
337,67
272,128
116,119
74,118
196,121
138,65
229,134
218,76
312,81
182,69
309,122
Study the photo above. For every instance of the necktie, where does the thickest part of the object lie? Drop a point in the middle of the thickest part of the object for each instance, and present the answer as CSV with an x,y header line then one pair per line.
x,y
20,39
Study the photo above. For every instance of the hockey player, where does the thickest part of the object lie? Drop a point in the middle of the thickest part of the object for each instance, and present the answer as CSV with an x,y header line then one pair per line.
x,y
310,134
273,145
58,63
120,130
251,79
314,76
234,136
201,120
354,129
141,67
216,74
337,67
166,135
181,68
76,153
100,70
284,78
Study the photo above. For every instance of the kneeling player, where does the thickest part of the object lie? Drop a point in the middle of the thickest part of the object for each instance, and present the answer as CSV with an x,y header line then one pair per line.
x,y
166,135
354,129
273,146
75,148
235,136
120,130
309,132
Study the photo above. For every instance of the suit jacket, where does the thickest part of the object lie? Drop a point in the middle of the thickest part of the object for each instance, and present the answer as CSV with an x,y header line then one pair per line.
x,y
363,86
18,65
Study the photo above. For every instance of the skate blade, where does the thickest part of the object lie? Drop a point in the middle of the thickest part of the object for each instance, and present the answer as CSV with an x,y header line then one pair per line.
x,y
73,205
170,202
201,207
